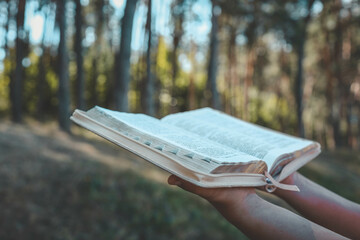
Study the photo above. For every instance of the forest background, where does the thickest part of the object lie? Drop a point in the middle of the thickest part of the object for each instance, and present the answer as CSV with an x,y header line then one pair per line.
x,y
289,65
293,66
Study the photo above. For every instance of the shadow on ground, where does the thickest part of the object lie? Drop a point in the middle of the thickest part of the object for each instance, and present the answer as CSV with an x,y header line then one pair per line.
x,y
56,186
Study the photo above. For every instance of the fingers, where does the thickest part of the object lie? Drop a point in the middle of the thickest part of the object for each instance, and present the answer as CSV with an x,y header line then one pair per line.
x,y
174,180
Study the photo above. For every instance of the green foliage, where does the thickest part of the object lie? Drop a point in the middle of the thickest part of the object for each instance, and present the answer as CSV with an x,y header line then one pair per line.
x,y
272,111
163,66
5,87
257,63
30,85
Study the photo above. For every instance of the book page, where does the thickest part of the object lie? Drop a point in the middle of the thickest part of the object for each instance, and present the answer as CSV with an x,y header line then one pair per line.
x,y
239,135
178,137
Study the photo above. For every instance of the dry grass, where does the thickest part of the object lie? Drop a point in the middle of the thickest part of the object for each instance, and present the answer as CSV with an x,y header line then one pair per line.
x,y
59,186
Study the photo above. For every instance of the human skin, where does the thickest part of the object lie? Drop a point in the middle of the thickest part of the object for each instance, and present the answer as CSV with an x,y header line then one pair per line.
x,y
255,217
322,206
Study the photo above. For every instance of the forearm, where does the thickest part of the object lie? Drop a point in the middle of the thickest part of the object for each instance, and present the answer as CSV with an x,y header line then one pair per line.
x,y
323,207
259,219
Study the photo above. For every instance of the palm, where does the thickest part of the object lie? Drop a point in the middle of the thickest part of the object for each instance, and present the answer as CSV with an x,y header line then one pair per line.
x,y
210,194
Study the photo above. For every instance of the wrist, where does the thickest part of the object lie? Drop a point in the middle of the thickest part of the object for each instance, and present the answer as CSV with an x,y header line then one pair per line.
x,y
238,207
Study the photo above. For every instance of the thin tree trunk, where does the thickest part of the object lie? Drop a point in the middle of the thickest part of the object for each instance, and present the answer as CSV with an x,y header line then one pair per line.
x,y
339,91
234,78
17,81
122,77
213,60
9,16
177,35
299,87
64,91
96,60
248,79
231,72
299,81
41,85
8,55
330,87
80,82
149,89
349,97
191,89
93,81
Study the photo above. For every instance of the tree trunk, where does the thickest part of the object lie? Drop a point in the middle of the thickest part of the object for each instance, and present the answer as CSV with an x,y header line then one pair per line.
x,y
8,55
299,86
299,81
177,36
17,80
149,89
9,16
231,75
97,54
213,59
192,89
329,93
80,82
93,100
250,61
64,91
42,84
340,89
122,77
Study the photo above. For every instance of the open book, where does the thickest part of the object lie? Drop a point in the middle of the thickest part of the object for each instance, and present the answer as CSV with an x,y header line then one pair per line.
x,y
205,146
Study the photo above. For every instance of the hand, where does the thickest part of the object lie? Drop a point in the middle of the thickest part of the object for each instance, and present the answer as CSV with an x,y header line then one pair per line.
x,y
290,179
213,195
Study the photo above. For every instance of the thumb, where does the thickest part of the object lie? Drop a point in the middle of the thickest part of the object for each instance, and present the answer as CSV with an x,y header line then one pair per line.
x,y
174,180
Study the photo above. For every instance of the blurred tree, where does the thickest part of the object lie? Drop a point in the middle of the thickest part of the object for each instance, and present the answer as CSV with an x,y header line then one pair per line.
x,y
192,88
149,83
41,83
337,24
163,74
178,9
293,19
8,59
9,17
97,53
251,33
299,45
122,63
17,80
213,58
78,48
63,71
256,52
231,76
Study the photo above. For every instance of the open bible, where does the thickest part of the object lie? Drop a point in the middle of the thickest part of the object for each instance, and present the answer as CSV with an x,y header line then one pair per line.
x,y
205,146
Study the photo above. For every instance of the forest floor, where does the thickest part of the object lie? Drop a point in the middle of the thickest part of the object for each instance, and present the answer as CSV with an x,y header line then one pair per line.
x,y
59,186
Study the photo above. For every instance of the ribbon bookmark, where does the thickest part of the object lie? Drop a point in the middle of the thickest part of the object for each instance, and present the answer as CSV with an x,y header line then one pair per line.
x,y
272,184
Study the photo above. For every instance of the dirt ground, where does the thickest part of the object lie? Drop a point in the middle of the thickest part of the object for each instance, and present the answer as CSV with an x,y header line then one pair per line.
x,y
59,186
